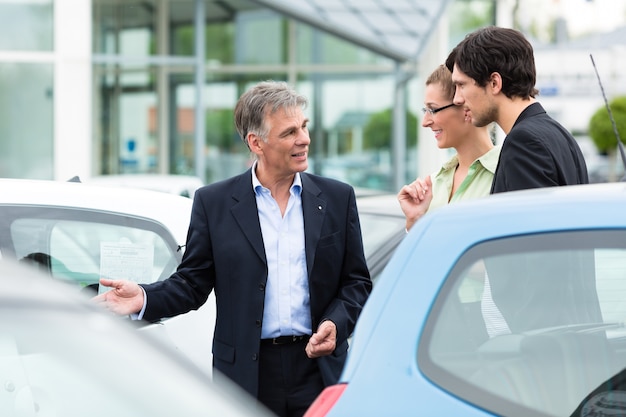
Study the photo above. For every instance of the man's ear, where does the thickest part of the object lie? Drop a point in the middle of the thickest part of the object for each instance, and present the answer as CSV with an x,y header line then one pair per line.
x,y
255,143
495,82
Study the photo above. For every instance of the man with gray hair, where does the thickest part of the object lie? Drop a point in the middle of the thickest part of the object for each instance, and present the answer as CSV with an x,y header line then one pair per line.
x,y
282,249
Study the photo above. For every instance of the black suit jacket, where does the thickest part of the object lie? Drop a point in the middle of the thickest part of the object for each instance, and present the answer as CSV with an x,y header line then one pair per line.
x,y
538,152
225,253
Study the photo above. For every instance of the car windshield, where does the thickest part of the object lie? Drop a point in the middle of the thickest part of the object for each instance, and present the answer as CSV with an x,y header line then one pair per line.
x,y
530,325
80,246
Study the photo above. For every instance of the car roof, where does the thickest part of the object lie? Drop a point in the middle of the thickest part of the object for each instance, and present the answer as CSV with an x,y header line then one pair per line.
x,y
385,203
171,210
551,208
175,184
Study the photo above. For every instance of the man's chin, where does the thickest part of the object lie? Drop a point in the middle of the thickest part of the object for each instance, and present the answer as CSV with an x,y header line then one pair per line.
x,y
302,167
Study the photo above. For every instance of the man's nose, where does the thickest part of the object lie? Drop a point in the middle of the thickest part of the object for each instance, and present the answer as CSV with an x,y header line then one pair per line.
x,y
303,138
458,98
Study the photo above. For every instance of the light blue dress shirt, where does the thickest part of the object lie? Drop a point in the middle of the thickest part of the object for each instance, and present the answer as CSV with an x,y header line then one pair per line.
x,y
287,302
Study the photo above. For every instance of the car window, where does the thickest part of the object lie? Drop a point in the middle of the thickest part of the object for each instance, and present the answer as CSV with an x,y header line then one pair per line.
x,y
530,325
81,246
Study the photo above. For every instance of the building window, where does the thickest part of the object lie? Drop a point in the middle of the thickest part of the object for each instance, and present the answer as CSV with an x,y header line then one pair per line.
x,y
26,25
146,93
26,127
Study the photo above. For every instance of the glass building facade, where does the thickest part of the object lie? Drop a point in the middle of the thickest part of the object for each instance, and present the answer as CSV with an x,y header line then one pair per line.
x,y
98,87
148,86
26,82
145,62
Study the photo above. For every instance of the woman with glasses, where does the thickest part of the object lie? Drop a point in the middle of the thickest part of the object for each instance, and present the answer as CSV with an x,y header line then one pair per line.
x,y
469,173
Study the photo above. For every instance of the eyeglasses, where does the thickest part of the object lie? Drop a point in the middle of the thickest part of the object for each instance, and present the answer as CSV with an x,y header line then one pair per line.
x,y
433,111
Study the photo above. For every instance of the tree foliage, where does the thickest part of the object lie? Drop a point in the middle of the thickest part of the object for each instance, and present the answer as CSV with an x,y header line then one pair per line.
x,y
601,129
220,129
377,132
219,41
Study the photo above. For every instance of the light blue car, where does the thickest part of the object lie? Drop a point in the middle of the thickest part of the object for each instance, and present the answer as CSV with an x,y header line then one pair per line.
x,y
511,305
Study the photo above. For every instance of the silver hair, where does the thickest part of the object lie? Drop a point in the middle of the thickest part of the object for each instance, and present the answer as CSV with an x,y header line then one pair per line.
x,y
263,99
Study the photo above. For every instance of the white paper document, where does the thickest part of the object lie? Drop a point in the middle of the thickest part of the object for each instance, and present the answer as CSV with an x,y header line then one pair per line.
x,y
130,261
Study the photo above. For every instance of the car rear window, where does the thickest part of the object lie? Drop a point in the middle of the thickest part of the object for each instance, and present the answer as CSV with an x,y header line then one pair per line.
x,y
530,325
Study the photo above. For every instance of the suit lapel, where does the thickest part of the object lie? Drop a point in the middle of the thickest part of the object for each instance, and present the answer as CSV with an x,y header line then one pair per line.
x,y
313,210
244,210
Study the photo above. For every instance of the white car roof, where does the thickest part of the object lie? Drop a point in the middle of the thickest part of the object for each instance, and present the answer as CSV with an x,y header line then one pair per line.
x,y
185,185
171,210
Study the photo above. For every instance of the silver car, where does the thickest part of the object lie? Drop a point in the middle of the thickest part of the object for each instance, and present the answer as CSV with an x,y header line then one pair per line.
x,y
61,355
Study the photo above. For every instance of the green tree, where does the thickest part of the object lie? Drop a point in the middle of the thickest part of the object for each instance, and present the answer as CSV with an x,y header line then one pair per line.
x,y
219,42
220,130
601,128
602,132
377,132
466,16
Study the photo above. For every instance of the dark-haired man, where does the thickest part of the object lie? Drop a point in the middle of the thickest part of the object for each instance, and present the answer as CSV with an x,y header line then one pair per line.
x,y
493,69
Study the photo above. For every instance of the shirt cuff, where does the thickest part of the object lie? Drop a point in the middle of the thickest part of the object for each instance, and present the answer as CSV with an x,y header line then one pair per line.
x,y
139,316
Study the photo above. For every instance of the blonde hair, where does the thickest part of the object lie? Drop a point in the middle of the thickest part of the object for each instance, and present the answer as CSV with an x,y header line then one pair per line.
x,y
442,76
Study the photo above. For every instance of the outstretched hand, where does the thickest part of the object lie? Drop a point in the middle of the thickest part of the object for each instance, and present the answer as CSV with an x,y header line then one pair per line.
x,y
125,297
324,341
415,199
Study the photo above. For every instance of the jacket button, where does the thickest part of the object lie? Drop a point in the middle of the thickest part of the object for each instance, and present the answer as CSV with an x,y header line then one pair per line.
x,y
258,323
262,287
255,357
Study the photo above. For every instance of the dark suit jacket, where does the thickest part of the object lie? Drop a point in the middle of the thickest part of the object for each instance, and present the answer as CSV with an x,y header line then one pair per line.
x,y
538,152
225,253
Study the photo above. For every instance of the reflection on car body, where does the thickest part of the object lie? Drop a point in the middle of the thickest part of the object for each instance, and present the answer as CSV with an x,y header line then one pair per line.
x,y
510,305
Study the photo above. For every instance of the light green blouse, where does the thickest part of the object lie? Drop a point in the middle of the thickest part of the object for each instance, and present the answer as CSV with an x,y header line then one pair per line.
x,y
476,184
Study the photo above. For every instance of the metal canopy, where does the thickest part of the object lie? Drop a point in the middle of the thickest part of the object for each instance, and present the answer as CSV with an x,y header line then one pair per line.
x,y
397,29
